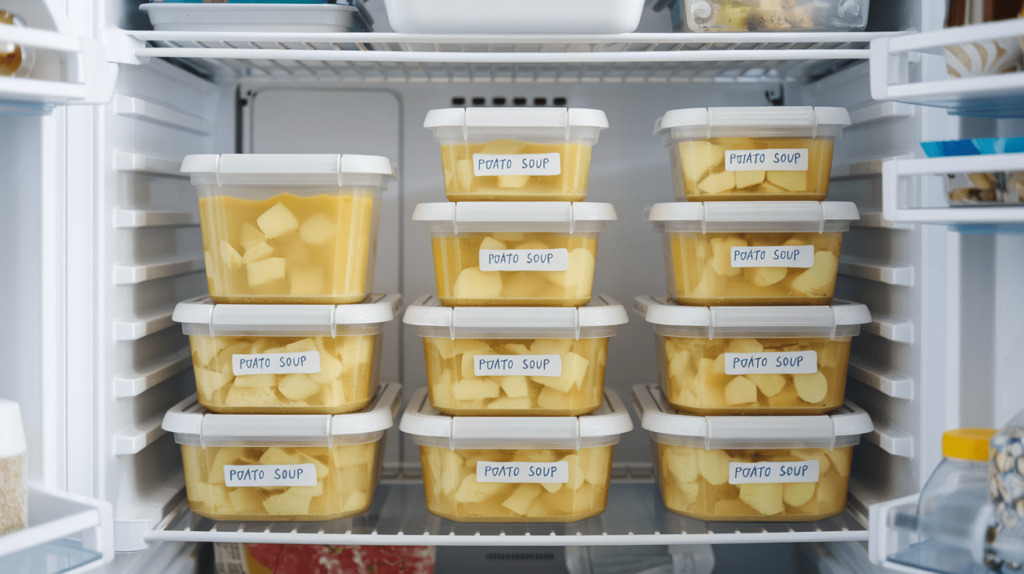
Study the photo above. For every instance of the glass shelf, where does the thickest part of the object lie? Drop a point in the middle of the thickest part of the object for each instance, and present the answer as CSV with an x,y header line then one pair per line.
x,y
54,557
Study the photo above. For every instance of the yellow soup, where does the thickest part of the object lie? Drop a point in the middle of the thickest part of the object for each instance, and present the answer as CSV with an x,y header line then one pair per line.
x,y
461,184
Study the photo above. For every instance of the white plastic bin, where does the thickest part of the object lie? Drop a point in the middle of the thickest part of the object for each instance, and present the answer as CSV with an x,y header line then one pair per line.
x,y
516,154
539,254
534,361
284,229
752,252
753,360
516,469
286,359
524,17
751,468
282,467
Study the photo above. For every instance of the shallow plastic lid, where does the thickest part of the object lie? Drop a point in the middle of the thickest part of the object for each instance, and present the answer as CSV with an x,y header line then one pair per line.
x,y
841,428
967,444
477,216
839,319
288,169
192,424
753,216
428,427
515,118
12,434
201,316
430,316
764,121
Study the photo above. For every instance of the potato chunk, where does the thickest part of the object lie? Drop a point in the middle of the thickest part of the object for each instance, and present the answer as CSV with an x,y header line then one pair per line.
x,y
277,221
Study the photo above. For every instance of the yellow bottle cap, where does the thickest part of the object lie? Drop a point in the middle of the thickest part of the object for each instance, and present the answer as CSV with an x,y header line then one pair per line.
x,y
968,444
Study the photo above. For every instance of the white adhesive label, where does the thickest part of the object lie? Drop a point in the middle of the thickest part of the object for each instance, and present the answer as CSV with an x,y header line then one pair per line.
x,y
307,362
765,472
524,259
793,256
520,472
789,363
510,365
269,475
766,159
485,164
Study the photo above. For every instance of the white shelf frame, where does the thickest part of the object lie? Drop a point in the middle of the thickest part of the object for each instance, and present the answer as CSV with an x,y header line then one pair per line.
x,y
886,540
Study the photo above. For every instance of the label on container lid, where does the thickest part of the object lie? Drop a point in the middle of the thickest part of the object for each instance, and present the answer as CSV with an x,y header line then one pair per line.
x,y
521,472
526,164
787,363
766,159
773,472
511,365
269,475
524,259
306,362
792,256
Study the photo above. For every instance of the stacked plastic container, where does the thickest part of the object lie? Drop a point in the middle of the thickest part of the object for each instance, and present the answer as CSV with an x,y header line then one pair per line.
x,y
289,417
750,421
515,425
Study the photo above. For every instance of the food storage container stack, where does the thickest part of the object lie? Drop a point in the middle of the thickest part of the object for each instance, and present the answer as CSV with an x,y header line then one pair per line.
x,y
288,419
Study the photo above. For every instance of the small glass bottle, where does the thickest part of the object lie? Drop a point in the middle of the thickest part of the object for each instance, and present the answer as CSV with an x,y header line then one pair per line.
x,y
14,59
13,470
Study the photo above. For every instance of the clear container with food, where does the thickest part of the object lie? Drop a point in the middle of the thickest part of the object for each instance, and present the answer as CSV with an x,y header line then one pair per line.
x,y
752,253
770,15
280,229
753,360
282,467
751,154
773,469
516,154
503,254
523,469
286,359
515,361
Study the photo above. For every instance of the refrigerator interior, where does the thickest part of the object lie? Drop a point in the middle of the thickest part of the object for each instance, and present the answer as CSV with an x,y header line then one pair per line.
x,y
103,241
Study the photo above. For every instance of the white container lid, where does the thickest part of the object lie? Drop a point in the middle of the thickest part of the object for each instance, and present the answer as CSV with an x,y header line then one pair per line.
x,y
497,216
841,428
840,319
764,121
431,428
451,125
201,316
194,425
752,216
599,318
305,170
12,434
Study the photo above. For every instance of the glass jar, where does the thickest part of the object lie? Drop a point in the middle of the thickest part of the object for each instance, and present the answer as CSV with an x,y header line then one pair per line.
x,y
14,59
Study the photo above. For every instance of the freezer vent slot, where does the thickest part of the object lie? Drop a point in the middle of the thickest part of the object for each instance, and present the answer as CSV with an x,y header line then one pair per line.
x,y
515,101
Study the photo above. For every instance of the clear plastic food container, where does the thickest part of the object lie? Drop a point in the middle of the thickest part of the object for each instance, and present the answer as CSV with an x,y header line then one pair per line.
x,y
282,467
289,228
772,15
516,154
752,253
514,253
778,469
523,469
494,361
751,154
753,360
277,359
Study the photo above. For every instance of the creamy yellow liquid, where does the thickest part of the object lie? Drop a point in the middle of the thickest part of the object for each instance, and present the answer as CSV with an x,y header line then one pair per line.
x,y
461,185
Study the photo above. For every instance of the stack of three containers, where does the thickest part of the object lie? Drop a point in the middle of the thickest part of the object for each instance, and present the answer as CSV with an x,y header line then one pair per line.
x,y
288,421
749,328
517,426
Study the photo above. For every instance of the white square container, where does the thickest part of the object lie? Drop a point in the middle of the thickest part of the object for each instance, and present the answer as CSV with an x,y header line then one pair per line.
x,y
282,467
753,360
515,361
752,252
751,153
751,468
289,228
770,15
286,359
515,154
524,17
501,254
258,17
488,469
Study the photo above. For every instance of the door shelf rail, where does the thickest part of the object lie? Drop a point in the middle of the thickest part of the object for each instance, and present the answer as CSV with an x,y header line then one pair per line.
x,y
620,58
997,95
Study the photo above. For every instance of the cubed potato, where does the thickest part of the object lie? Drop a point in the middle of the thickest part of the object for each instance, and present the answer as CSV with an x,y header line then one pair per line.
x,y
713,466
718,183
744,346
504,146
576,474
473,283
297,387
815,280
554,399
356,501
204,347
231,257
209,382
765,276
471,389
247,500
811,388
330,367
798,493
277,221
699,157
288,503
266,271
490,243
788,180
681,464
251,397
721,249
745,179
471,491
764,498
596,464
257,252
250,236
740,390
255,381
515,386
550,346
318,229
817,454
522,497
840,458
769,385
301,346
512,181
